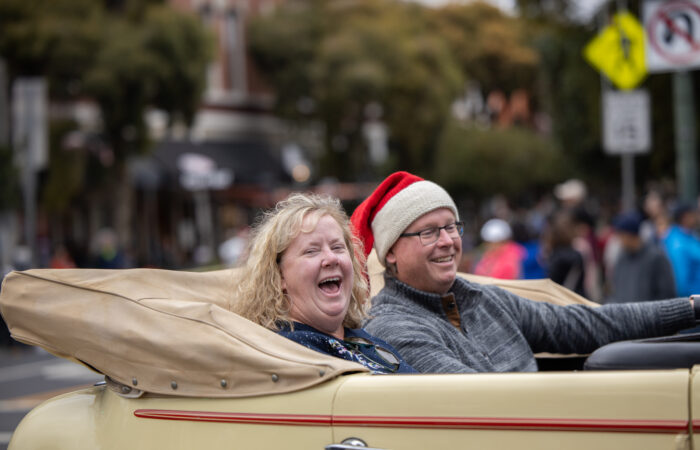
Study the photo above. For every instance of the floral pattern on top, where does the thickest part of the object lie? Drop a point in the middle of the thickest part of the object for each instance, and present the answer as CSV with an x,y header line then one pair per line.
x,y
363,354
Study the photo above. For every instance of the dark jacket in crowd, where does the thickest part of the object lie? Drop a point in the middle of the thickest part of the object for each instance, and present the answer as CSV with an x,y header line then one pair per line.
x,y
642,275
565,267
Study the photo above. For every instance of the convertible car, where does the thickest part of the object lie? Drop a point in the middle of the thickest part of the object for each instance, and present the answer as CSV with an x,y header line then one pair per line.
x,y
183,372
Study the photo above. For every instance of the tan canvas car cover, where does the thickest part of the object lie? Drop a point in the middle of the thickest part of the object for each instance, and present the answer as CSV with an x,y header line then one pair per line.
x,y
172,332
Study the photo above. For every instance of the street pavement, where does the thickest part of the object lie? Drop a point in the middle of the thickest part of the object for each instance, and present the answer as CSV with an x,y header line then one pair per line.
x,y
28,376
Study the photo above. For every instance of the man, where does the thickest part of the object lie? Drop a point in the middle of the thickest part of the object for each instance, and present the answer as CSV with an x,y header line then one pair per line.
x,y
444,324
641,271
683,249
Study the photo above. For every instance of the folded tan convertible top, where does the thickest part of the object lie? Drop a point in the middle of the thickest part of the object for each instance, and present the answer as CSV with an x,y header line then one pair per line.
x,y
172,332
159,331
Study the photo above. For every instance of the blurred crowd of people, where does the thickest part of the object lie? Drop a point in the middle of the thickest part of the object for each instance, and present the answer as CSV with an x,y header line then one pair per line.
x,y
606,256
648,253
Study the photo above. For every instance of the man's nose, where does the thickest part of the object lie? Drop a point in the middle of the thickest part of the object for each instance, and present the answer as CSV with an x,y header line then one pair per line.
x,y
444,237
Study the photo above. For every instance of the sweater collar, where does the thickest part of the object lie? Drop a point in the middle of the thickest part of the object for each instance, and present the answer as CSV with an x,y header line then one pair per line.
x,y
429,300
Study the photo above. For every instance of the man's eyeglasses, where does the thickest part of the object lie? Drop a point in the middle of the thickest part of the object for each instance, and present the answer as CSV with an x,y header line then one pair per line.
x,y
386,357
432,234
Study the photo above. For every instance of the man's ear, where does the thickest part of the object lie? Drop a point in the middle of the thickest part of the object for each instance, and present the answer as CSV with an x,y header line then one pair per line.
x,y
390,256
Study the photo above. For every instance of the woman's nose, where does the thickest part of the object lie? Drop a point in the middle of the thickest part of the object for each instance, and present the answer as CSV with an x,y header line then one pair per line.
x,y
329,258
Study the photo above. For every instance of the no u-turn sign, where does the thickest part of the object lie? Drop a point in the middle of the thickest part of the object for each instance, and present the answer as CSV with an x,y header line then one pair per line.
x,y
672,32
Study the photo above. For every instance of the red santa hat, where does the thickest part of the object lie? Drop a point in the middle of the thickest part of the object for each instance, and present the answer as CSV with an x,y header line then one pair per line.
x,y
393,206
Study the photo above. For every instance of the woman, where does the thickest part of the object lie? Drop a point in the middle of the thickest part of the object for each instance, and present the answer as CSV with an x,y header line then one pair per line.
x,y
304,279
503,257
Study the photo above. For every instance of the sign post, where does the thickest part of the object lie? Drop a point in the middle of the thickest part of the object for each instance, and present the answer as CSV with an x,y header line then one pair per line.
x,y
618,52
673,45
626,132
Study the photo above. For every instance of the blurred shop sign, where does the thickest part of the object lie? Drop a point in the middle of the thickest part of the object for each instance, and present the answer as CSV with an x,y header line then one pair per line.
x,y
626,124
618,51
672,34
199,172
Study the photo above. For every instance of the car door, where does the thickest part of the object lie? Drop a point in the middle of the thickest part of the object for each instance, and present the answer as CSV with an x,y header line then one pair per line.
x,y
580,410
298,420
99,417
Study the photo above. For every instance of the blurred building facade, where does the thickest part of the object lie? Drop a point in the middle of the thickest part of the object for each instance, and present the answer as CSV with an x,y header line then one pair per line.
x,y
199,185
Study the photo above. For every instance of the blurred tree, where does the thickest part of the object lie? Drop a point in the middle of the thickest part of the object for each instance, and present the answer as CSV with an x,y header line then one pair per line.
x,y
490,46
150,57
569,91
341,62
9,179
126,55
182,49
548,10
480,162
56,39
156,59
66,172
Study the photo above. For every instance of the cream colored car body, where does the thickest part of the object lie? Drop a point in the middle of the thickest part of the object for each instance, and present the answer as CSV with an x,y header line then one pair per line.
x,y
577,410
213,380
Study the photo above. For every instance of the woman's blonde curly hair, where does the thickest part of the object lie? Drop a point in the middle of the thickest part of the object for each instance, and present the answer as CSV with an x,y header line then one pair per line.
x,y
259,296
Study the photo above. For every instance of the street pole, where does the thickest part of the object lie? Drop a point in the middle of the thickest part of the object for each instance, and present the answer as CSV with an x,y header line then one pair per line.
x,y
684,120
5,216
30,140
628,185
4,106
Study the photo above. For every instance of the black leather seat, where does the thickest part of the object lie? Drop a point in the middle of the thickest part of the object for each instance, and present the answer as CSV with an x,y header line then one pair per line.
x,y
680,351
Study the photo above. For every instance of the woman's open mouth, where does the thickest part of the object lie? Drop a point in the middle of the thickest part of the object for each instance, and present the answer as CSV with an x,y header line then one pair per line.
x,y
330,285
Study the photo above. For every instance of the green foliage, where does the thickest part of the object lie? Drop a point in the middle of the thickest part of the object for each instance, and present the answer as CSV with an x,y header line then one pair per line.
x,y
123,83
182,50
53,38
570,93
66,172
342,56
127,55
160,60
554,11
283,44
479,162
491,47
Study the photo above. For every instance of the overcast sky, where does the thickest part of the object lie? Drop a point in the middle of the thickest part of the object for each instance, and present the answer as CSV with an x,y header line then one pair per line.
x,y
585,7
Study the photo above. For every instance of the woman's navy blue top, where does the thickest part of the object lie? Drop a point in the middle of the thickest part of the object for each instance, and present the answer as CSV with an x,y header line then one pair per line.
x,y
367,355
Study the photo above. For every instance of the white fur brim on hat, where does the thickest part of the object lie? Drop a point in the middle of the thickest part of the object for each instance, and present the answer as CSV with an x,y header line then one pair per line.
x,y
403,209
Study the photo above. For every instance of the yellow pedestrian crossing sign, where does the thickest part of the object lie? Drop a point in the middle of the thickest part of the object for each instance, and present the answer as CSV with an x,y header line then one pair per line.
x,y
618,51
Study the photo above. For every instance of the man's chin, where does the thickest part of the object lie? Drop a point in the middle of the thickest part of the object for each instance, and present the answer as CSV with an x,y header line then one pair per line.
x,y
445,280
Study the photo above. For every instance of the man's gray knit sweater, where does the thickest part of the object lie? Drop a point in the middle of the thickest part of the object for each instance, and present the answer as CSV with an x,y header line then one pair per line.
x,y
500,332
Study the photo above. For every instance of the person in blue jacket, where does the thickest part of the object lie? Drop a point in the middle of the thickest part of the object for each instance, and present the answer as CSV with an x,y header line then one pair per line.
x,y
683,249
